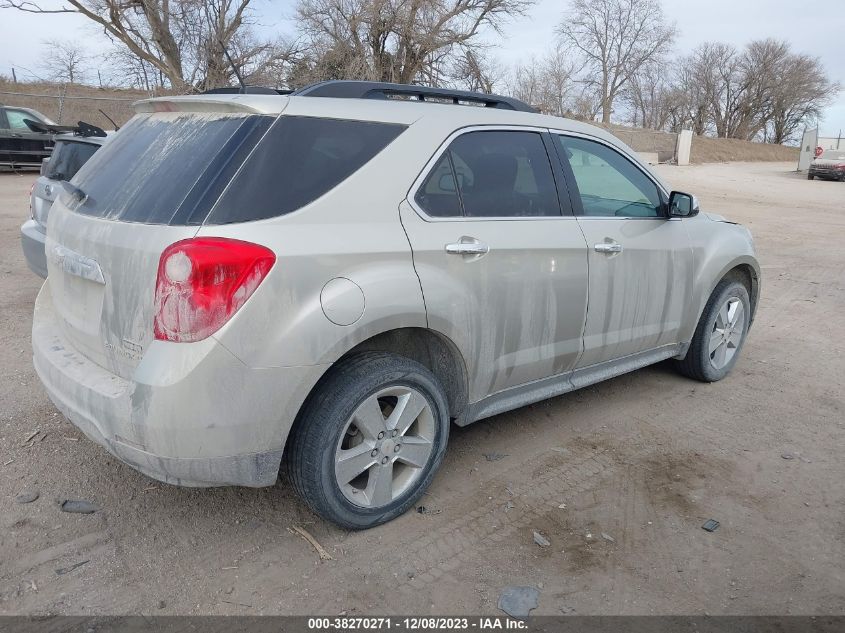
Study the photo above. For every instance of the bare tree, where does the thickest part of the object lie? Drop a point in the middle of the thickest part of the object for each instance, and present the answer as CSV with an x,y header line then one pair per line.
x,y
616,38
691,104
716,71
476,71
406,41
586,105
180,39
800,95
763,92
650,97
122,68
547,83
64,61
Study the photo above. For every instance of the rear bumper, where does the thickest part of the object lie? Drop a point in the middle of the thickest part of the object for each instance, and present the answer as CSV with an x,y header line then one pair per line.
x,y
33,237
192,414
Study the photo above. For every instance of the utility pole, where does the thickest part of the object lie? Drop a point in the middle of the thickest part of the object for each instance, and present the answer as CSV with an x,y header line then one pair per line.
x,y
14,76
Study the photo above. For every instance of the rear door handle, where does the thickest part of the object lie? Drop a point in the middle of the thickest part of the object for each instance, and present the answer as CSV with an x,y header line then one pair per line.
x,y
467,246
604,247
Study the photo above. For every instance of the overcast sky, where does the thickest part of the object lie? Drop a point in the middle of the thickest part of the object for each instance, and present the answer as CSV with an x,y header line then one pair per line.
x,y
819,31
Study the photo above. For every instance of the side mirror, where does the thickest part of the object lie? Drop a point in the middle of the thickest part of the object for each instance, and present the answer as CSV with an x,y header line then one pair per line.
x,y
682,205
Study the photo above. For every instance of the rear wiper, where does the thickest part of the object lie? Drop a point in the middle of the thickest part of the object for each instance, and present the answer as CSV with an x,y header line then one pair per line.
x,y
76,194
59,176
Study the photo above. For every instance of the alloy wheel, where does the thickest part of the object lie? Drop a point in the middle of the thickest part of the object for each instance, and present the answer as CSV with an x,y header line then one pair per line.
x,y
727,333
385,446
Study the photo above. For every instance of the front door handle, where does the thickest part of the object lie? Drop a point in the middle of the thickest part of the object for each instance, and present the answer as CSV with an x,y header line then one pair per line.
x,y
467,246
605,247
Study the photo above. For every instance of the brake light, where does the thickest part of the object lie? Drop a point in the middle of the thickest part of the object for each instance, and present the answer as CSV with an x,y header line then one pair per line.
x,y
202,282
31,212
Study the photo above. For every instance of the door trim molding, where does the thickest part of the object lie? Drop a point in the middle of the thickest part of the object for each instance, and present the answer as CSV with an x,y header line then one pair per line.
x,y
545,388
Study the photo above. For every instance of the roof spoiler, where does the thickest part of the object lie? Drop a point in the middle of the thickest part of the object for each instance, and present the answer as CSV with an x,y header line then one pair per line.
x,y
80,129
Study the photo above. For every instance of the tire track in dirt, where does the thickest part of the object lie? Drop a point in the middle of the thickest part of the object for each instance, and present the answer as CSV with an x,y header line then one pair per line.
x,y
467,536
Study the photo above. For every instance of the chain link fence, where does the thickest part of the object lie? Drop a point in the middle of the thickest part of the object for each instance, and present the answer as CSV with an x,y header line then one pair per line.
x,y
67,104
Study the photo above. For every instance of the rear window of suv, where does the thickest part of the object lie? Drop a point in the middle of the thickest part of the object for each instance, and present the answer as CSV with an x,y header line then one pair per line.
x,y
67,158
299,160
195,168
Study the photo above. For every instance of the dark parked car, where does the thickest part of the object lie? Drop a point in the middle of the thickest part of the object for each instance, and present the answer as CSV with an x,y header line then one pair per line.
x,y
829,165
21,146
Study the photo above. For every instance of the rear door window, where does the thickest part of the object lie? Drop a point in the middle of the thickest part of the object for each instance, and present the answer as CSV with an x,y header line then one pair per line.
x,y
67,158
497,174
438,195
299,160
504,174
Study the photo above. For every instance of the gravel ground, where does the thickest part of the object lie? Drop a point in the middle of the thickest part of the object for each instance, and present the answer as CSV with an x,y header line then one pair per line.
x,y
618,477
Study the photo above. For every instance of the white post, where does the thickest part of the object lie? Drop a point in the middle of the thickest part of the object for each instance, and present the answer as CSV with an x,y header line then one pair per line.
x,y
809,141
683,148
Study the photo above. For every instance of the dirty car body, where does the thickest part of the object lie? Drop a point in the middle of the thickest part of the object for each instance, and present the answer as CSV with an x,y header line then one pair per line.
x,y
334,280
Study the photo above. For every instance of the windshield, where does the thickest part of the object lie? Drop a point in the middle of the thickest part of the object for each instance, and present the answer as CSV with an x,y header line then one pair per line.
x,y
833,154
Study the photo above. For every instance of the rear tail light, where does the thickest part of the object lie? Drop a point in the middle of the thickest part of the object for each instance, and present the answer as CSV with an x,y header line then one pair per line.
x,y
31,210
202,282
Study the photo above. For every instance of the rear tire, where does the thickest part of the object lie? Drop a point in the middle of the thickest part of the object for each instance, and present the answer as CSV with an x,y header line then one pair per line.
x,y
369,440
720,334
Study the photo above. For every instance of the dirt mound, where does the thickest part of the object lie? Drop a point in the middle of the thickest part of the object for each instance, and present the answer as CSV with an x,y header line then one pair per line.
x,y
704,149
724,150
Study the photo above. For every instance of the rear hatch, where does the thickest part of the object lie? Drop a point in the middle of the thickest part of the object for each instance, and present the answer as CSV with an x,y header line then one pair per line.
x,y
67,159
150,186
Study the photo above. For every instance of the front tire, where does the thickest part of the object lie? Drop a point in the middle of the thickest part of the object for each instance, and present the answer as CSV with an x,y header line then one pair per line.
x,y
810,176
369,440
720,334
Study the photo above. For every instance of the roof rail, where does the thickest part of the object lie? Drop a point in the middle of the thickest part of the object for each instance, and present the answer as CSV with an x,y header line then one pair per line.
x,y
252,90
344,89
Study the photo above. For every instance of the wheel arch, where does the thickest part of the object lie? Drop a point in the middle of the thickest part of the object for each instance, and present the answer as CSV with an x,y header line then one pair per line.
x,y
748,276
744,269
433,350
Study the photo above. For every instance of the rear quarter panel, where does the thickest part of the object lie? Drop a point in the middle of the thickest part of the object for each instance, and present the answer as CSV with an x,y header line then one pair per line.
x,y
352,232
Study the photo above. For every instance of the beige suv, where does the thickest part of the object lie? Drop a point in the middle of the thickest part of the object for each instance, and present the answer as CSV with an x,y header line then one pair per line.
x,y
326,280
